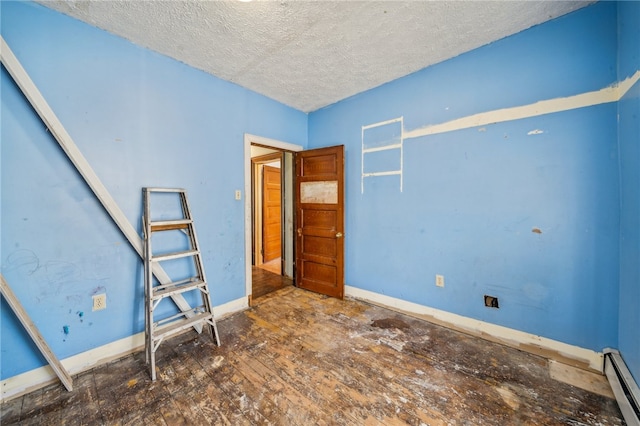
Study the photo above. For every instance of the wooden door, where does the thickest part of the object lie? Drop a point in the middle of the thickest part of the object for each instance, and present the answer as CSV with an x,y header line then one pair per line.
x,y
320,220
271,214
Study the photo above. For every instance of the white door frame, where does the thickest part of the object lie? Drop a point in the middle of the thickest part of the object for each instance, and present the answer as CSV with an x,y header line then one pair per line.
x,y
272,143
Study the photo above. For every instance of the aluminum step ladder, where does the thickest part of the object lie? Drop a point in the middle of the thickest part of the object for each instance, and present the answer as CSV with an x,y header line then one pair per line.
x,y
183,261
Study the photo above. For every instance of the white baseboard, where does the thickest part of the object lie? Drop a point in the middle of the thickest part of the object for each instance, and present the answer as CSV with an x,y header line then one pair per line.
x,y
548,348
34,379
230,308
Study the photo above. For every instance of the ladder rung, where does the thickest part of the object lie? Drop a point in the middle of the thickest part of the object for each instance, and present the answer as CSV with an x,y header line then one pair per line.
x,y
176,255
181,324
165,189
168,225
176,287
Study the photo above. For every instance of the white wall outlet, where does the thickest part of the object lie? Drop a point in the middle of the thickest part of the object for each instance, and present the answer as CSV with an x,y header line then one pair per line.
x,y
440,280
99,301
238,194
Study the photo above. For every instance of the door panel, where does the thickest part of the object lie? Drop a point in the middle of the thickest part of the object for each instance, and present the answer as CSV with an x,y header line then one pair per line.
x,y
271,214
320,220
318,246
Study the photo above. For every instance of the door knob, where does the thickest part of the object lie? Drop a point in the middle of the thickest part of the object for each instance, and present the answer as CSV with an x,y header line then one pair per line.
x,y
299,232
338,234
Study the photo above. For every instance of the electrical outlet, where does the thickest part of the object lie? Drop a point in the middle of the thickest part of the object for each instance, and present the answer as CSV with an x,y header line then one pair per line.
x,y
99,301
440,280
491,302
238,194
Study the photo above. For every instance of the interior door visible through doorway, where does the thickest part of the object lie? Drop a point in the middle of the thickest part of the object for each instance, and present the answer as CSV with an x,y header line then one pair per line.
x,y
272,211
271,214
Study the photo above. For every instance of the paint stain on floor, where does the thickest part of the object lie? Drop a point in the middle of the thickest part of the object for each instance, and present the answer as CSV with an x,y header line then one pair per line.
x,y
387,323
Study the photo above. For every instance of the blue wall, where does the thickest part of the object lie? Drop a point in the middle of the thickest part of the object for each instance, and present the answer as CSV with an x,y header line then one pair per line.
x,y
470,201
140,119
472,197
629,140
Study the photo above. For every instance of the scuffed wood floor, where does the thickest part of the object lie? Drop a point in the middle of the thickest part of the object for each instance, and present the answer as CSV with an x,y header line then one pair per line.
x,y
264,282
298,358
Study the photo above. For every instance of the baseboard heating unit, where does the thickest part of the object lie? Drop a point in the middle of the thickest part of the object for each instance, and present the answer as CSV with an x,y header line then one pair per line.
x,y
624,387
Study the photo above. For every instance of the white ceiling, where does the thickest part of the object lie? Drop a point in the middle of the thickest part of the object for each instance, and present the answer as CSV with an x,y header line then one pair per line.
x,y
309,54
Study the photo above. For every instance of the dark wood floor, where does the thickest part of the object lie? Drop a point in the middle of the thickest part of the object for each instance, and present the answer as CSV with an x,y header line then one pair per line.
x,y
298,358
265,282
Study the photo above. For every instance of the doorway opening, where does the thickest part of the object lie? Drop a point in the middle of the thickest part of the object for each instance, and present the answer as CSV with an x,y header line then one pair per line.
x,y
267,209
269,215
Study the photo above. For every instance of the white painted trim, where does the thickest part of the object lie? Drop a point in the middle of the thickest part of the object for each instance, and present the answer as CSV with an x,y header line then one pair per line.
x,y
271,143
508,336
39,377
606,95
230,308
34,333
391,173
34,379
382,123
625,85
382,148
248,140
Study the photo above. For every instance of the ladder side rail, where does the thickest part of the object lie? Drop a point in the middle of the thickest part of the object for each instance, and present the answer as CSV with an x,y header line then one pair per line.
x,y
41,106
148,279
186,208
206,295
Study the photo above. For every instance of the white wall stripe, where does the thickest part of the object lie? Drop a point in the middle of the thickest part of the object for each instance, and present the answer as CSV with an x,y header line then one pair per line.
x,y
625,85
602,96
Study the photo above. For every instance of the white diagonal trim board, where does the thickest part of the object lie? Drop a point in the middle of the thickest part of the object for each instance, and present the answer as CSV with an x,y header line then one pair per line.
x,y
606,95
33,331
40,105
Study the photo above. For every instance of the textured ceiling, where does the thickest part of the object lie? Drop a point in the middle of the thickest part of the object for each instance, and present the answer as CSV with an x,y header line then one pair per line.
x,y
309,54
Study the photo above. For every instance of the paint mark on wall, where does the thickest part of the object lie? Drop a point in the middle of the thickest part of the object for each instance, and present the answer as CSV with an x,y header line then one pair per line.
x,y
536,231
535,132
60,272
96,290
22,258
65,329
